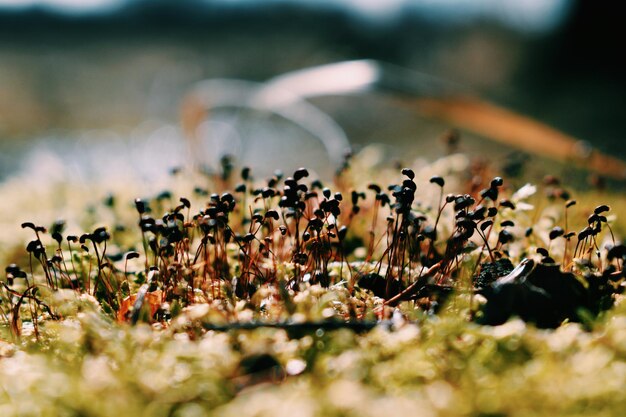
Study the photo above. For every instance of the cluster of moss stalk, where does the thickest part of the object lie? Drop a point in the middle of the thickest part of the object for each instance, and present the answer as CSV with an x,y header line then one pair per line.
x,y
290,232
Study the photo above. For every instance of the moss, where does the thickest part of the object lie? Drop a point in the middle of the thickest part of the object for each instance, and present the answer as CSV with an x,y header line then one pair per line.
x,y
259,310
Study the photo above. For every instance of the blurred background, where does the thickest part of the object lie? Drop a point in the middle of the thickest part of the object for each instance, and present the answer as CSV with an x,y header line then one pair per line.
x,y
102,83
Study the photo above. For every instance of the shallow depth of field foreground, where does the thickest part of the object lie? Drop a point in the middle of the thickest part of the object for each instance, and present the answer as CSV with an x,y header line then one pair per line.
x,y
420,290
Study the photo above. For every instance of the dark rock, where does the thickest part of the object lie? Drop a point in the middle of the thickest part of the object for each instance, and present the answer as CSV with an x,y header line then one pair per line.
x,y
378,285
490,271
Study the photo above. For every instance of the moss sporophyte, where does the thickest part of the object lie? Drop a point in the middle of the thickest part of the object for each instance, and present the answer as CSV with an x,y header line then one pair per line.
x,y
263,244
381,291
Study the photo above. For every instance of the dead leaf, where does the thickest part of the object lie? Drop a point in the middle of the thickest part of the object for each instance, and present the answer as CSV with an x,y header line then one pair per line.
x,y
154,300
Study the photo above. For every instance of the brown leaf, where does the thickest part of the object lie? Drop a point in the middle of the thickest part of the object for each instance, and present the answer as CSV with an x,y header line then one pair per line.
x,y
154,300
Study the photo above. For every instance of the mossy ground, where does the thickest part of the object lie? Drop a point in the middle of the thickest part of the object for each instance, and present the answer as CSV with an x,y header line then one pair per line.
x,y
73,348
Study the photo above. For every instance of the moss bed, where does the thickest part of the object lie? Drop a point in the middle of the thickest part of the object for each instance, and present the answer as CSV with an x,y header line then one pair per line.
x,y
439,289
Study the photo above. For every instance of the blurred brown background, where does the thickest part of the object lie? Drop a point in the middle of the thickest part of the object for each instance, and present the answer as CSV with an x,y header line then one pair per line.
x,y
67,67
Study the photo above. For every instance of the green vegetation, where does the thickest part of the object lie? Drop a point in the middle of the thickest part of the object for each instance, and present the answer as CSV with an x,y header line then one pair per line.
x,y
438,290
